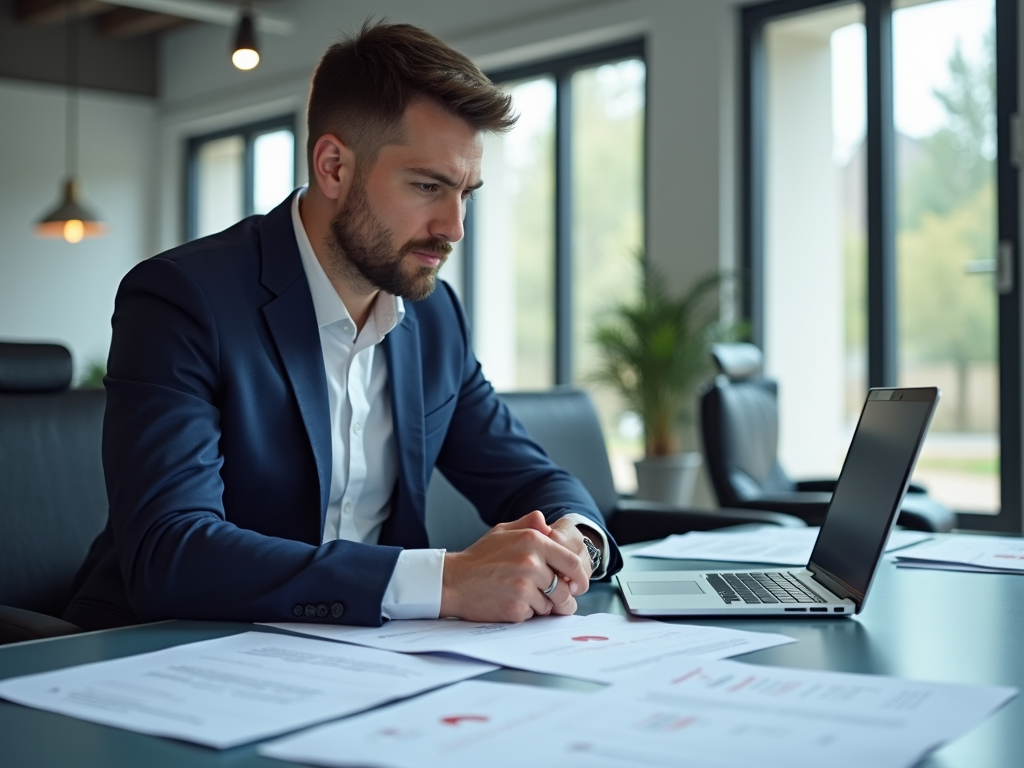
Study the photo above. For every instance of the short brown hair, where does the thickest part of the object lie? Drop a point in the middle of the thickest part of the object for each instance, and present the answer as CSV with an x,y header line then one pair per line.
x,y
364,83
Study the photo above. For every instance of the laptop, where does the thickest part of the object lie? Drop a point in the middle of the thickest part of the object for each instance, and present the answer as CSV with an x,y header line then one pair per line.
x,y
863,510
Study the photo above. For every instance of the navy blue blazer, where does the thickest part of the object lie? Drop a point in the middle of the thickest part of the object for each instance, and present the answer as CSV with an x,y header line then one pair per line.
x,y
217,445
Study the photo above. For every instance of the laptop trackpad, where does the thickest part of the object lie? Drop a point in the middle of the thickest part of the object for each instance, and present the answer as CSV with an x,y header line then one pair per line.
x,y
664,588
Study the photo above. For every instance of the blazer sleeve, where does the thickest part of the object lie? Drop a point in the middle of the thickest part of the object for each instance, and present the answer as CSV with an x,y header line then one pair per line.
x,y
179,555
491,459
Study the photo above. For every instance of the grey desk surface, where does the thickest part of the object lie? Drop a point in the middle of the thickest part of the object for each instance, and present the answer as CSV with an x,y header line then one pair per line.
x,y
927,625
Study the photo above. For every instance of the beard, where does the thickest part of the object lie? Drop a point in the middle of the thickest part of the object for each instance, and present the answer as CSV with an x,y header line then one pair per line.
x,y
362,248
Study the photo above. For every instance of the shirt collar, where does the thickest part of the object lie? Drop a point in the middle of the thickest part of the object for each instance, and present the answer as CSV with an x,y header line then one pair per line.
x,y
388,310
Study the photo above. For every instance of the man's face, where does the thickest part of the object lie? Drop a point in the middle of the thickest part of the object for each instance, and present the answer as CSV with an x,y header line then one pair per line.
x,y
403,213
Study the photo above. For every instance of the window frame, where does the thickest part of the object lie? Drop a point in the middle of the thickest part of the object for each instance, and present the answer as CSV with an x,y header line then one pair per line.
x,y
881,215
561,70
249,132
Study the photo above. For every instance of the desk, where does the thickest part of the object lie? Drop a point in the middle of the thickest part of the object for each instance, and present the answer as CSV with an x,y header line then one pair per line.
x,y
929,625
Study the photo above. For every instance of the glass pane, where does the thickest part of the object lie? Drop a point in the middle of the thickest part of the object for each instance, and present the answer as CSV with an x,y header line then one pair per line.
x,y
220,189
607,189
944,99
815,263
514,245
273,157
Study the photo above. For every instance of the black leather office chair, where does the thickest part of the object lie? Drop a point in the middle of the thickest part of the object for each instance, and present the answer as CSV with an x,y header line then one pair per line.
x,y
53,500
740,426
565,424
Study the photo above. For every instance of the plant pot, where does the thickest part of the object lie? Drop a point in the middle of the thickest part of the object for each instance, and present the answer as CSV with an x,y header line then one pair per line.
x,y
668,479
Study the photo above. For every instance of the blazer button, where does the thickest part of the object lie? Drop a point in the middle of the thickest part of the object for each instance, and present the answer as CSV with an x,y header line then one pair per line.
x,y
321,610
297,611
310,611
337,609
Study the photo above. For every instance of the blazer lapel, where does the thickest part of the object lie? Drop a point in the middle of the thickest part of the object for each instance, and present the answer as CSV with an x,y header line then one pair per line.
x,y
405,525
292,322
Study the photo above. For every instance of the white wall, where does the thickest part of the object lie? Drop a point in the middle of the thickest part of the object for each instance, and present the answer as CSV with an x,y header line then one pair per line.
x,y
51,290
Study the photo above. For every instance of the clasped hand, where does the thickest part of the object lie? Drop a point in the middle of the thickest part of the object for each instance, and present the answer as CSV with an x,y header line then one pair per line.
x,y
502,577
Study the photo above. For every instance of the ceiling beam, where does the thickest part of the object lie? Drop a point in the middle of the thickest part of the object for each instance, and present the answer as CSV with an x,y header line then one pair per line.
x,y
46,12
124,23
210,12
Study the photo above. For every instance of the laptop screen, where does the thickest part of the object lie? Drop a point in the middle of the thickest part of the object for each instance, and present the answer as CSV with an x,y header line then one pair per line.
x,y
877,469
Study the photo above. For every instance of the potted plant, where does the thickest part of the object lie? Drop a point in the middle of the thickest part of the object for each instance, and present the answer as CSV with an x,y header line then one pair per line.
x,y
653,353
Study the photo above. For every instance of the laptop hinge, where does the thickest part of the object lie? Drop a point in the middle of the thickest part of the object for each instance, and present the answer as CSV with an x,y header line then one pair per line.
x,y
833,585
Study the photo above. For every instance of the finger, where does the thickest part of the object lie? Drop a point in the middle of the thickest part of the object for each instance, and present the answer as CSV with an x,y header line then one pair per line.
x,y
534,520
565,562
571,537
566,535
562,602
538,601
549,585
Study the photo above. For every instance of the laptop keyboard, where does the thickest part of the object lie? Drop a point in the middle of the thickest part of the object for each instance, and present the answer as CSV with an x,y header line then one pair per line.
x,y
771,587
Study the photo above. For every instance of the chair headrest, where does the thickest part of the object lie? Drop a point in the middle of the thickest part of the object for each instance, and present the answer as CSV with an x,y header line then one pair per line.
x,y
34,367
738,361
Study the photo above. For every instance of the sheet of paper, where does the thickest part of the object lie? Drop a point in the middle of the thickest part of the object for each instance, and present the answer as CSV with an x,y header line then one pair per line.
x,y
601,647
744,714
978,553
467,725
776,545
933,566
235,689
711,714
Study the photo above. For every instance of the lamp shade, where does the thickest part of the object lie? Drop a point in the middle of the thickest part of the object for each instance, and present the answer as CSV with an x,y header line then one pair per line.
x,y
70,219
245,54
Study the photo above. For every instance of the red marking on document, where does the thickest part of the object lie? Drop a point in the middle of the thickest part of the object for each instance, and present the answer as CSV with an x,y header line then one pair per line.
x,y
742,684
687,676
457,719
586,638
681,723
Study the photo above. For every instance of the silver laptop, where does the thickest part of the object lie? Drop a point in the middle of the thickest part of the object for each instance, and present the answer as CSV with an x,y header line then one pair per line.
x,y
864,507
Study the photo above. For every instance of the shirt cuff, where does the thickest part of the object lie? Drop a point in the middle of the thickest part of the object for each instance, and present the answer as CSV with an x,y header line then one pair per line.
x,y
414,591
602,544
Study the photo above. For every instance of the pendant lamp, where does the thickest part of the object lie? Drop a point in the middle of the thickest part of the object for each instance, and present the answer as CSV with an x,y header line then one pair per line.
x,y
70,219
245,55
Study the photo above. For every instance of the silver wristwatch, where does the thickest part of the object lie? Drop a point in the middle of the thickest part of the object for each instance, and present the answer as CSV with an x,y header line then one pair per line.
x,y
595,554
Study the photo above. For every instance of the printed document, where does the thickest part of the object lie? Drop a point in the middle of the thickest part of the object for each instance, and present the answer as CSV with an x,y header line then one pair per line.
x,y
235,689
602,647
775,545
708,714
467,725
981,554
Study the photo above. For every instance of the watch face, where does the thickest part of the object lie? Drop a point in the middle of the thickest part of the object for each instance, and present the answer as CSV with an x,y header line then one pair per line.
x,y
594,552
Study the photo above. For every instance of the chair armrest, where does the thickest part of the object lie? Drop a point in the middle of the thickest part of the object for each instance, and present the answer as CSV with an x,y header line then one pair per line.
x,y
828,486
918,513
818,486
18,624
809,507
635,521
923,513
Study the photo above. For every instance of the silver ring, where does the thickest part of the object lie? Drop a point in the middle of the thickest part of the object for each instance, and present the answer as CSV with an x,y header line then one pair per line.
x,y
554,583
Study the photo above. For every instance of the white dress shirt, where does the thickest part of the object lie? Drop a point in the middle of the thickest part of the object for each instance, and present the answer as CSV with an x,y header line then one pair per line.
x,y
362,437
364,462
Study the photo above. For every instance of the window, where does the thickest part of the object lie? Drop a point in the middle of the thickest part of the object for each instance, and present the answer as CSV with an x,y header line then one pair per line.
x,y
555,234
881,230
236,173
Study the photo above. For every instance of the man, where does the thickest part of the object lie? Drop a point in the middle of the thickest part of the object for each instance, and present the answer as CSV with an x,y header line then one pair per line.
x,y
275,406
